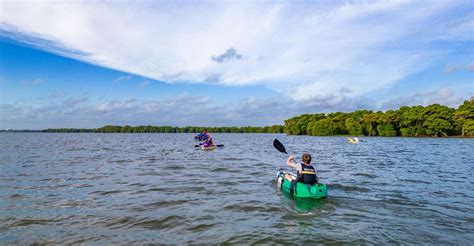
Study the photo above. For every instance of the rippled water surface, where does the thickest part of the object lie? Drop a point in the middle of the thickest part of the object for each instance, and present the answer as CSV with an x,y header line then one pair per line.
x,y
157,188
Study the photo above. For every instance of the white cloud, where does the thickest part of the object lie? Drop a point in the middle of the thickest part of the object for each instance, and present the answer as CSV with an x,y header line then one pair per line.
x,y
124,78
228,55
444,96
186,109
302,49
181,110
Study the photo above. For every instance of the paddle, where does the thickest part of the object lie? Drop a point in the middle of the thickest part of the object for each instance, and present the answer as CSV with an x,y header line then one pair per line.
x,y
218,145
279,146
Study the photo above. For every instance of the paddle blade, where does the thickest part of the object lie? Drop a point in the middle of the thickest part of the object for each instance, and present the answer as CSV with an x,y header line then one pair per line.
x,y
279,146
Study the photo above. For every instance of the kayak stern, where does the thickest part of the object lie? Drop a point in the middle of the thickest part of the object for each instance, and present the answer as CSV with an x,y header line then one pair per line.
x,y
298,189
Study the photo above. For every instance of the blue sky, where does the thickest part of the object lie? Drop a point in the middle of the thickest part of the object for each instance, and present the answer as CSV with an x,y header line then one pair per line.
x,y
82,64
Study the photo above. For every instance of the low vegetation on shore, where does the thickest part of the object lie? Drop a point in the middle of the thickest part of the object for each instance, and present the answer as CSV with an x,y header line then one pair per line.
x,y
416,121
171,129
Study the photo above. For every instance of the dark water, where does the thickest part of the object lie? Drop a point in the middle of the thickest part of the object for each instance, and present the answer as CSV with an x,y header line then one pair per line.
x,y
157,188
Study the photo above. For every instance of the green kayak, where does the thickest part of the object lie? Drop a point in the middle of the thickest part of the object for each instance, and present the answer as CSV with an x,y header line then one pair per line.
x,y
299,189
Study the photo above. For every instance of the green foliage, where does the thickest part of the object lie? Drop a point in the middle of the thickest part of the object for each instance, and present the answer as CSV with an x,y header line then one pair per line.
x,y
354,127
410,131
299,125
68,130
324,127
415,121
463,115
339,120
188,129
370,120
386,130
437,126
438,120
411,121
468,127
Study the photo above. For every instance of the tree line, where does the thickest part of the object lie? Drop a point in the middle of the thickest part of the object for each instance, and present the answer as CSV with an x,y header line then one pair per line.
x,y
415,121
171,129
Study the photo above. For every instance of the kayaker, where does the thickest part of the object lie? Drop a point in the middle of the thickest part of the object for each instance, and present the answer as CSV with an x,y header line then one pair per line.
x,y
203,135
305,171
209,142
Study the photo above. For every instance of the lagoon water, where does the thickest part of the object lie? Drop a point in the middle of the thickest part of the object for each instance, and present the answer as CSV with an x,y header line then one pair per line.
x,y
157,188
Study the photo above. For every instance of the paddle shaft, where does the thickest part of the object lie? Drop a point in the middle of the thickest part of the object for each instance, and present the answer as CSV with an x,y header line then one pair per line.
x,y
218,145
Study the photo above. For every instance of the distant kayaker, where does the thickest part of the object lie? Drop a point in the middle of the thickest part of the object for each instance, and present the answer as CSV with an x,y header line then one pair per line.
x,y
209,142
305,171
353,140
204,135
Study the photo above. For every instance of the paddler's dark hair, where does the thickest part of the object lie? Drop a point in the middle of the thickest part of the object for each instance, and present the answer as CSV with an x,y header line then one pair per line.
x,y
306,158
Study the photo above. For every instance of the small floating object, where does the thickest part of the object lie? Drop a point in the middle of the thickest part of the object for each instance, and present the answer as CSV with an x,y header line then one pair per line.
x,y
353,140
299,189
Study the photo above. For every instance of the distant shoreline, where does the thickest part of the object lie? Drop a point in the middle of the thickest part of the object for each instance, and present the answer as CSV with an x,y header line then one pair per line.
x,y
339,135
160,129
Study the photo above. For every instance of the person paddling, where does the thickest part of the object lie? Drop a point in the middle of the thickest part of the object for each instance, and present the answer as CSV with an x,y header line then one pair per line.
x,y
208,143
305,171
204,135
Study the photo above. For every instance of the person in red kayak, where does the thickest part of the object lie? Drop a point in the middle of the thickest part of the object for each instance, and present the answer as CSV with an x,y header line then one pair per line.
x,y
305,171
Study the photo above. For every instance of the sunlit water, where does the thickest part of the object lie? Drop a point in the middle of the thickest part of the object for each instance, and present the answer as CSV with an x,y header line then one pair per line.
x,y
158,188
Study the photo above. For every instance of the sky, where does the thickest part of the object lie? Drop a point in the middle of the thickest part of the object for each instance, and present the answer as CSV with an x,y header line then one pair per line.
x,y
86,64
